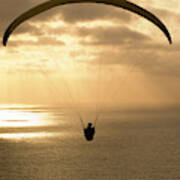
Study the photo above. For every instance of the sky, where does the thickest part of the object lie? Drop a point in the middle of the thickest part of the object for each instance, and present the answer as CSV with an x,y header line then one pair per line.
x,y
90,54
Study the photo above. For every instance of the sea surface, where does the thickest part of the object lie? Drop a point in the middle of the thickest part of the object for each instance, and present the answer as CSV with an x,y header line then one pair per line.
x,y
42,143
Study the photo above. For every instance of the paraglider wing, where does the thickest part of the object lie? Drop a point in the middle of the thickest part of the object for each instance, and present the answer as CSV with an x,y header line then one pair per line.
x,y
53,3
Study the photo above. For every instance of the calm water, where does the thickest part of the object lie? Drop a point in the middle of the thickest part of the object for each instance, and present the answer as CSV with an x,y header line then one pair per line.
x,y
48,144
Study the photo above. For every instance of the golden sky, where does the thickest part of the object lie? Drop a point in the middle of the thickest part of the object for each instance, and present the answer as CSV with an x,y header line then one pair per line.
x,y
94,53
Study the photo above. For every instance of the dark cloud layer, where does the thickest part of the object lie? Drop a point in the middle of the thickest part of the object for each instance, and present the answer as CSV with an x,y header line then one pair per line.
x,y
89,12
129,44
10,9
148,61
69,13
119,36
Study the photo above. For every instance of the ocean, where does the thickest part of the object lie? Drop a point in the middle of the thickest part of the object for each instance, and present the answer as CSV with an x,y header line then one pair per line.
x,y
42,143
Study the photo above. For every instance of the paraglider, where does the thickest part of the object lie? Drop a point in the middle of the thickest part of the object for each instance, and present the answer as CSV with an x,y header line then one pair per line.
x,y
53,3
89,132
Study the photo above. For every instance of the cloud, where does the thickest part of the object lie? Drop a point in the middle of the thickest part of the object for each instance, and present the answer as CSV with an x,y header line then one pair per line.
x,y
115,36
115,43
28,66
90,12
10,9
150,62
41,41
69,13
165,14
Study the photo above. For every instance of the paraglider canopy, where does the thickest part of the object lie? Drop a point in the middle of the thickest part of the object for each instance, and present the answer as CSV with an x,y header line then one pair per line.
x,y
53,3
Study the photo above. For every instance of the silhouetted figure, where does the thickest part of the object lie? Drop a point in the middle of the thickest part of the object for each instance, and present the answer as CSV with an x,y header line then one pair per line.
x,y
89,132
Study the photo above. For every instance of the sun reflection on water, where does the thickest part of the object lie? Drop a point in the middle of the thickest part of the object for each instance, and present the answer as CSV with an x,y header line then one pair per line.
x,y
24,135
20,118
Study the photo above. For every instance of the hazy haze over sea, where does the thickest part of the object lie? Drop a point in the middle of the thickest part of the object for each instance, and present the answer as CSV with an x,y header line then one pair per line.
x,y
43,143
